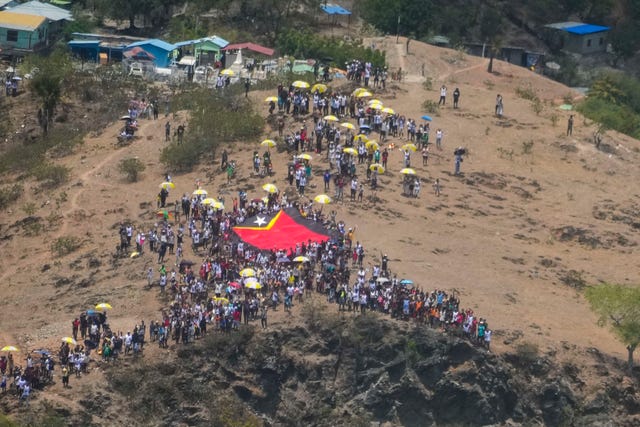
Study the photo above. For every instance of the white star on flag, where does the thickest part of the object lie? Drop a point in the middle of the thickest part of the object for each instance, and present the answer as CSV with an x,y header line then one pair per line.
x,y
260,220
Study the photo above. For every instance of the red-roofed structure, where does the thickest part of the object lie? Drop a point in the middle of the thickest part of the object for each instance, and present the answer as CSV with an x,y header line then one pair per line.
x,y
252,47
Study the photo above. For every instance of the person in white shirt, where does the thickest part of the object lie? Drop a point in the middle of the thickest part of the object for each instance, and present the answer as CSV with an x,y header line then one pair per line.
x,y
443,95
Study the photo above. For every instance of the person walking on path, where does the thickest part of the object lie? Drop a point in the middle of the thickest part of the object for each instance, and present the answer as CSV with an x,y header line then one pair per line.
x,y
456,98
436,187
439,135
570,126
167,132
443,95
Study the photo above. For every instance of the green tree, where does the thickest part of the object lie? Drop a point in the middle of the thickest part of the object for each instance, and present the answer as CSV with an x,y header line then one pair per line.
x,y
415,17
47,83
619,307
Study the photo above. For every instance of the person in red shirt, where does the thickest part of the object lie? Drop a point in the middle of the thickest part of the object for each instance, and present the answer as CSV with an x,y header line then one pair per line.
x,y
75,326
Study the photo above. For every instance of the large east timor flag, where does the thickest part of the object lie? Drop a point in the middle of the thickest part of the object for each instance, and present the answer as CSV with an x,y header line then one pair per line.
x,y
282,230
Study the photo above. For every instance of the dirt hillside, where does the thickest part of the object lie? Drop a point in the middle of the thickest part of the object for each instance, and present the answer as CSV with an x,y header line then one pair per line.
x,y
535,215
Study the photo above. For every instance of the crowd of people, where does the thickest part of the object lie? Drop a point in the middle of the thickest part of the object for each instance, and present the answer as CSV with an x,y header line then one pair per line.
x,y
235,284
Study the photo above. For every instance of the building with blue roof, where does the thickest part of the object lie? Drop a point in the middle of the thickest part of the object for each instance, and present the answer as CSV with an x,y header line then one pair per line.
x,y
161,51
577,37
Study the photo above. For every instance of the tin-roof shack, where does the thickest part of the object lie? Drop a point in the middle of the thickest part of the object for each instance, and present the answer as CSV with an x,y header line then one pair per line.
x,y
577,37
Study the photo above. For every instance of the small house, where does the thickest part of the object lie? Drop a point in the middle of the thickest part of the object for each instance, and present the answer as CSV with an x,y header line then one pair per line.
x,y
159,50
20,33
577,37
206,51
56,16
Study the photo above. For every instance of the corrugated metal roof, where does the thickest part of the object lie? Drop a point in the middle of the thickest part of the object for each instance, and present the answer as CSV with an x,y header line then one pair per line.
x,y
218,41
578,27
587,29
94,43
20,21
161,44
251,46
334,9
49,11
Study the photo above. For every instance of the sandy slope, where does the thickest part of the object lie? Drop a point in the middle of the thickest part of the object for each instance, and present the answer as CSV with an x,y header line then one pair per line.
x,y
492,235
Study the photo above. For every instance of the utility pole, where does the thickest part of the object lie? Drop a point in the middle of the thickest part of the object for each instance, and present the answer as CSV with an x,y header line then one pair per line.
x,y
398,30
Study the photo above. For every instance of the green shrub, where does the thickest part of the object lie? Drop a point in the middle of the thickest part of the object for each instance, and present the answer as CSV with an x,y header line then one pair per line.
x,y
536,106
131,168
527,147
21,157
235,120
182,157
29,208
50,175
65,245
613,116
9,194
527,93
430,106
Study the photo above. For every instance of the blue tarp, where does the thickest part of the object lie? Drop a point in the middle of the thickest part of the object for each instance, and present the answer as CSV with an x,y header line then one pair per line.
x,y
334,9
586,29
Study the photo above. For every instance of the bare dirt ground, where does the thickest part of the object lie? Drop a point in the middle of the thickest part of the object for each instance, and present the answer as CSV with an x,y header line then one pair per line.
x,y
516,235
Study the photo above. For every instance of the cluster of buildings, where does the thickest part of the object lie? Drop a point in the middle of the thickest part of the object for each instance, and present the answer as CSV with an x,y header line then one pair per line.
x,y
34,26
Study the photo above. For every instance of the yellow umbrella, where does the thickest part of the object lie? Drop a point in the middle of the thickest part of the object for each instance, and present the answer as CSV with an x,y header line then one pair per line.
x,y
222,300
134,254
350,150
319,87
361,137
69,340
300,84
167,185
209,201
305,156
268,143
408,171
410,146
376,106
227,72
9,348
388,110
371,145
364,94
347,125
374,101
377,167
103,306
253,285
358,91
301,259
270,188
331,118
323,199
200,192
271,99
218,206
247,272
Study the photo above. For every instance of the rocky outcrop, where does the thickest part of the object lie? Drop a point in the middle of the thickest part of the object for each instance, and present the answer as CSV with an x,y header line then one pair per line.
x,y
363,370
